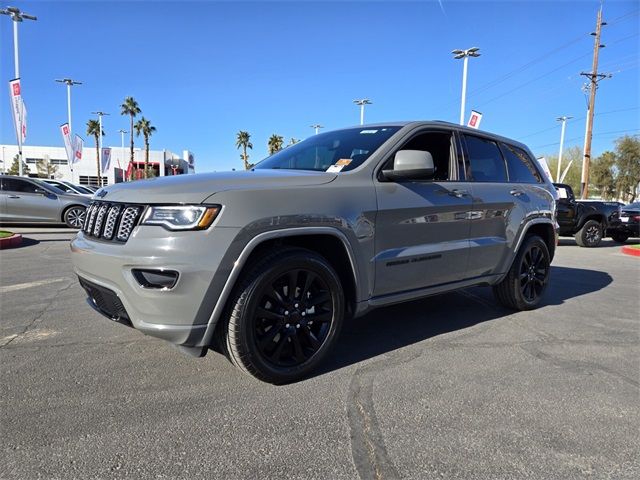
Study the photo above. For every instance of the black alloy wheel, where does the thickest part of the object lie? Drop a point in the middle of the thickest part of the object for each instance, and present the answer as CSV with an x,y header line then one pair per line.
x,y
534,270
590,235
292,318
284,317
528,277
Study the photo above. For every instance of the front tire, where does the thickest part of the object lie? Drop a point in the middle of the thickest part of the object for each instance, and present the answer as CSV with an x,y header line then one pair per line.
x,y
620,237
74,217
524,285
590,235
285,316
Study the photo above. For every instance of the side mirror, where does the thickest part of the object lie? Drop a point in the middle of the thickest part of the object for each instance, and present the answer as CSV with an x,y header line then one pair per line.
x,y
411,165
41,191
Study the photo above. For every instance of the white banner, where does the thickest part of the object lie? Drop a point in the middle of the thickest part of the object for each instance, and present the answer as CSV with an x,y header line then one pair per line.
x,y
66,137
15,96
545,166
24,121
78,145
106,159
474,119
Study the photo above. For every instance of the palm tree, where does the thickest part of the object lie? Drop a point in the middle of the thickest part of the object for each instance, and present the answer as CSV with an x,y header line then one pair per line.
x,y
144,126
275,143
93,128
243,140
130,107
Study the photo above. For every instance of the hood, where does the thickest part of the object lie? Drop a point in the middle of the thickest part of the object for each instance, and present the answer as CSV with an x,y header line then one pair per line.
x,y
196,188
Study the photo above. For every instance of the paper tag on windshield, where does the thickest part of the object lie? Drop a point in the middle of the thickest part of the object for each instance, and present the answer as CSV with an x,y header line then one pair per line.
x,y
335,168
344,162
368,131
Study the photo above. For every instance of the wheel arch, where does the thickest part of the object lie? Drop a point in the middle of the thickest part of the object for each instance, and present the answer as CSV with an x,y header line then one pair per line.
x,y
600,218
329,242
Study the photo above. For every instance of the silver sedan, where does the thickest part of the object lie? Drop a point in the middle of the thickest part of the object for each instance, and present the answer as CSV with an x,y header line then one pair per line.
x,y
31,200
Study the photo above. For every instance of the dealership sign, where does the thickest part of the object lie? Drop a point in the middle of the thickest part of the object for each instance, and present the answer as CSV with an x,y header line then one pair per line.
x,y
18,110
68,146
106,159
78,145
474,119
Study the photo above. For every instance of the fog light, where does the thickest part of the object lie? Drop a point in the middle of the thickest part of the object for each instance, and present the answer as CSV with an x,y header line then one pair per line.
x,y
156,279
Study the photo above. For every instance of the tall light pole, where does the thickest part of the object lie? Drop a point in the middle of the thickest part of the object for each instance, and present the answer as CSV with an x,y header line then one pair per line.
x,y
69,83
465,54
121,132
317,127
17,16
362,102
562,119
100,115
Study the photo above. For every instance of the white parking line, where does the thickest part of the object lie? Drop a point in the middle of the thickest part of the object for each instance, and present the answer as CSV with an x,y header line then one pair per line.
x,y
20,286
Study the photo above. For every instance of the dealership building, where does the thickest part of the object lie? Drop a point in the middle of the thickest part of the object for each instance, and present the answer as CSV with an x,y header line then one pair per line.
x,y
163,162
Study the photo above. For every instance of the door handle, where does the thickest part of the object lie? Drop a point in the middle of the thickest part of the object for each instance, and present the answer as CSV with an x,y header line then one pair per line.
x,y
516,193
458,193
13,196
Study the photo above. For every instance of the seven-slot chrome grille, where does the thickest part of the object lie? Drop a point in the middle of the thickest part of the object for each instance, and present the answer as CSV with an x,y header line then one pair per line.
x,y
111,221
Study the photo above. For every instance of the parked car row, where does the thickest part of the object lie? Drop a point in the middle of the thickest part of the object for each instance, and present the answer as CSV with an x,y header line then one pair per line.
x,y
33,200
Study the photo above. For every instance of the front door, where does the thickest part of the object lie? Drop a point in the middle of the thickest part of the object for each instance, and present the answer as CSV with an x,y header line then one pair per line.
x,y
26,203
422,226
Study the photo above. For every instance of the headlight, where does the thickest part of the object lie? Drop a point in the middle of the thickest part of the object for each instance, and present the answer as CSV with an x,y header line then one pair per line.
x,y
181,217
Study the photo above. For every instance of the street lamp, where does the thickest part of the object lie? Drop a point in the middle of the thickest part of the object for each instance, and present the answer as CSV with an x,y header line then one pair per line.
x,y
362,102
69,83
121,132
17,16
562,119
100,115
317,126
465,54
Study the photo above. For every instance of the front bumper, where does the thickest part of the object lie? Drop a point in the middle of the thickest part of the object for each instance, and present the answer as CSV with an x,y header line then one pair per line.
x,y
179,315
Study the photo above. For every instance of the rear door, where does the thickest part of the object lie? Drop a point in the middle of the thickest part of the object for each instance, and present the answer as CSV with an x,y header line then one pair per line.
x,y
498,209
24,203
422,226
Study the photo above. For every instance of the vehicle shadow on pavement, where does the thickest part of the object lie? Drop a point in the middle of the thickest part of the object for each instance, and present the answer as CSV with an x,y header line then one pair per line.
x,y
390,328
26,242
605,243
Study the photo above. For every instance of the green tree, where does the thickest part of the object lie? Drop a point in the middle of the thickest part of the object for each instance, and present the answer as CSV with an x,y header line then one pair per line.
x,y
573,156
93,128
14,169
275,143
243,140
602,176
46,169
130,107
628,166
144,127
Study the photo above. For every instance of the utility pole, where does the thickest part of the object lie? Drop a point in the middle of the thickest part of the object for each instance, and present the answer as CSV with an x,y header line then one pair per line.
x,y
100,115
17,16
562,119
594,77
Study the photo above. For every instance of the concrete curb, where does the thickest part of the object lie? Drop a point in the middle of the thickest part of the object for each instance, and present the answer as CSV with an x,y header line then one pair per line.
x,y
10,242
631,251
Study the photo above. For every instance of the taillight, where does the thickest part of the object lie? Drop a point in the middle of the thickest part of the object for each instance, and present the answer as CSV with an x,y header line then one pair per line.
x,y
636,218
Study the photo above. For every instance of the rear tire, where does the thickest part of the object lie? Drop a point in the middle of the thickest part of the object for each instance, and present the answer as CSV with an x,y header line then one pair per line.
x,y
74,217
590,235
524,285
284,317
620,237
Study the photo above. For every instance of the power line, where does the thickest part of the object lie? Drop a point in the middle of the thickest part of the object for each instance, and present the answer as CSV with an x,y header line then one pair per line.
x,y
613,132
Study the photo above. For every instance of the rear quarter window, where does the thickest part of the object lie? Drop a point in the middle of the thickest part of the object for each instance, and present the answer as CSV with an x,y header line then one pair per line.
x,y
520,166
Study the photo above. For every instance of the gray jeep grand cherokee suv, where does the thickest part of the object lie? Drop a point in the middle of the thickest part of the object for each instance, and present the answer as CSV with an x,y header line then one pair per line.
x,y
264,265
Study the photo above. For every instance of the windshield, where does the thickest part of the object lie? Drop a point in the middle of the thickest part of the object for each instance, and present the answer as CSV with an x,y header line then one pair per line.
x,y
61,186
49,187
336,151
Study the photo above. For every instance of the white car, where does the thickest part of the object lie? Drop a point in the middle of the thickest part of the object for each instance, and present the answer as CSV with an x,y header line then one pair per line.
x,y
69,187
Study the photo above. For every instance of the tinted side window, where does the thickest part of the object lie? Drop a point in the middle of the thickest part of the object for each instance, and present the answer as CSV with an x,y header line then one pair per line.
x,y
485,160
521,170
16,185
439,145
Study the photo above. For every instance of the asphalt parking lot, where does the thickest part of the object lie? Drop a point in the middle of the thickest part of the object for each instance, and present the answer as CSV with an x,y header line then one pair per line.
x,y
448,387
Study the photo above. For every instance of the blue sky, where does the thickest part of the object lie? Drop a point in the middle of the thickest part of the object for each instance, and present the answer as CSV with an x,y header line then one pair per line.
x,y
201,71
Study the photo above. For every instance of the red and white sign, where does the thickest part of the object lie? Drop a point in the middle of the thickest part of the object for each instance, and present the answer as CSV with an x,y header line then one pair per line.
x,y
78,145
474,119
106,159
24,122
17,109
68,145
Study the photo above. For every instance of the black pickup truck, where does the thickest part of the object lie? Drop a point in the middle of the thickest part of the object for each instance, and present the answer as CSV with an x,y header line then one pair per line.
x,y
586,220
